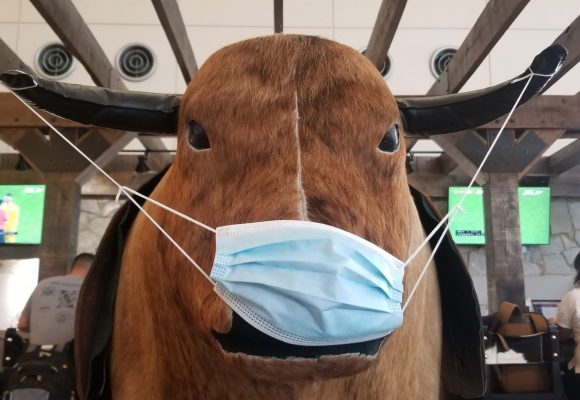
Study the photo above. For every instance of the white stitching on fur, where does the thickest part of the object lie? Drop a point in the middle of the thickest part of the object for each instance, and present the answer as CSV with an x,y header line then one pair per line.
x,y
302,207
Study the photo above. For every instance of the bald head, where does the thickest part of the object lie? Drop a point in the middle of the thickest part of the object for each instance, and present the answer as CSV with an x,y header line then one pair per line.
x,y
81,264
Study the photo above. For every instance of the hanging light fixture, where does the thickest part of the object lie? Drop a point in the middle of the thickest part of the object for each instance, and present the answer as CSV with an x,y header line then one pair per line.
x,y
142,166
22,164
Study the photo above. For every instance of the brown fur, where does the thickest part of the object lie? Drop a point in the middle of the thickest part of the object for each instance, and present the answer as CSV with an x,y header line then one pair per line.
x,y
245,97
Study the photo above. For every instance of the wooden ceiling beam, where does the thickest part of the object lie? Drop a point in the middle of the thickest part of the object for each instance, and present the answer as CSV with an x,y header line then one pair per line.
x,y
565,159
446,163
278,16
570,39
172,22
544,112
68,24
549,137
388,19
493,22
108,143
496,18
15,115
447,143
26,138
10,60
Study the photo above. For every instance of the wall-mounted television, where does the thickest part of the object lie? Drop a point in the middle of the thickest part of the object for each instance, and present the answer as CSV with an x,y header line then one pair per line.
x,y
534,207
21,214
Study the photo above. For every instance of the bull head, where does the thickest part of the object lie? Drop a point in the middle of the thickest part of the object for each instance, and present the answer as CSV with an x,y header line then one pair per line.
x,y
282,127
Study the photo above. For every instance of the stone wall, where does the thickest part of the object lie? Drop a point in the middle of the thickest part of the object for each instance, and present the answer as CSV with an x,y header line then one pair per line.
x,y
94,219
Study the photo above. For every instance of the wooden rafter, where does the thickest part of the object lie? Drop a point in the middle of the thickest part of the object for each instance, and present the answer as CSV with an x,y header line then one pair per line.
x,y
447,143
496,18
172,22
15,115
278,16
565,159
54,155
384,30
108,143
434,181
68,24
549,137
70,27
570,39
493,22
545,112
10,60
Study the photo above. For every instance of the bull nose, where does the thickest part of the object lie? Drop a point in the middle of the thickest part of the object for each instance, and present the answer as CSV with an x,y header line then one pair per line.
x,y
244,338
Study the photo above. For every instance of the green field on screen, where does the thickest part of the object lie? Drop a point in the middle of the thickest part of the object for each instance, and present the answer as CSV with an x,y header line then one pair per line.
x,y
29,201
534,207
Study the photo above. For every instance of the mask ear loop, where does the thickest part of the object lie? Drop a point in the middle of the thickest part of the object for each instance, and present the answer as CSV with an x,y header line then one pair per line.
x,y
453,212
125,191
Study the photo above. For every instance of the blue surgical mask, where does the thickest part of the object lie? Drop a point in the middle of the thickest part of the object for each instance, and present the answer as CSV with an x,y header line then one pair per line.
x,y
307,283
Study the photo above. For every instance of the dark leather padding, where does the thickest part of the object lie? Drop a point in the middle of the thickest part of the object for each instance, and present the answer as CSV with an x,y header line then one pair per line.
x,y
462,111
96,303
97,106
463,354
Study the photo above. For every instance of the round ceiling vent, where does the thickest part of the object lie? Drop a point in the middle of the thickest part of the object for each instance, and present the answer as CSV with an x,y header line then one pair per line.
x,y
54,61
440,59
386,69
136,62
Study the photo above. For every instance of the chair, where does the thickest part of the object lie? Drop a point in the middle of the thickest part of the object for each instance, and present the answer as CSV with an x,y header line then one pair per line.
x,y
550,349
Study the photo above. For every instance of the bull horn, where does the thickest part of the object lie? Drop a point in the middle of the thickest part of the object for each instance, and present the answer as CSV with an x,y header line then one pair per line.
x,y
458,112
97,106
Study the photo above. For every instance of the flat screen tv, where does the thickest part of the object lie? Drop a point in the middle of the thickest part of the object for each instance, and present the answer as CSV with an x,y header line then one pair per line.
x,y
534,206
21,214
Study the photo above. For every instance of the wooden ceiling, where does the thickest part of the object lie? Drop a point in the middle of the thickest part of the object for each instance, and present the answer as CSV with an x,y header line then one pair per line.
x,y
550,117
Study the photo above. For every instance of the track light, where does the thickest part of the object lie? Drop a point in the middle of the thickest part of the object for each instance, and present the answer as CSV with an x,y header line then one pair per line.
x,y
409,162
142,166
22,164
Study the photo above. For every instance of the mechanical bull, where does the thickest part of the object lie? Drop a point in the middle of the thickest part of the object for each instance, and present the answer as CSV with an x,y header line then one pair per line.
x,y
275,128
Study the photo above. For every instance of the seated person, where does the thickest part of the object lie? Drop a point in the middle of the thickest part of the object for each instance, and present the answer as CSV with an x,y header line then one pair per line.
x,y
49,314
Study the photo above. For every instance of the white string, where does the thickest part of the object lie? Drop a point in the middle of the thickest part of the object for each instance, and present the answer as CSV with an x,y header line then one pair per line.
x,y
453,211
532,73
425,268
123,189
433,232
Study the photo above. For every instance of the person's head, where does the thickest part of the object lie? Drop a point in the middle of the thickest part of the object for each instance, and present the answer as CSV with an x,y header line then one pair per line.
x,y
577,268
81,264
8,198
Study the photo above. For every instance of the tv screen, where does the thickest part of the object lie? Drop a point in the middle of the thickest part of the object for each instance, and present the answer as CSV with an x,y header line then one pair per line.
x,y
534,205
21,213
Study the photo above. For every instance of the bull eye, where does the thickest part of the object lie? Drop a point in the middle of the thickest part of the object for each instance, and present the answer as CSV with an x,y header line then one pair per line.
x,y
197,137
390,142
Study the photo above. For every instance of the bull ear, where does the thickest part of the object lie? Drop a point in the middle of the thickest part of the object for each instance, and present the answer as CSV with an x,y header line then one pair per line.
x,y
458,112
97,106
